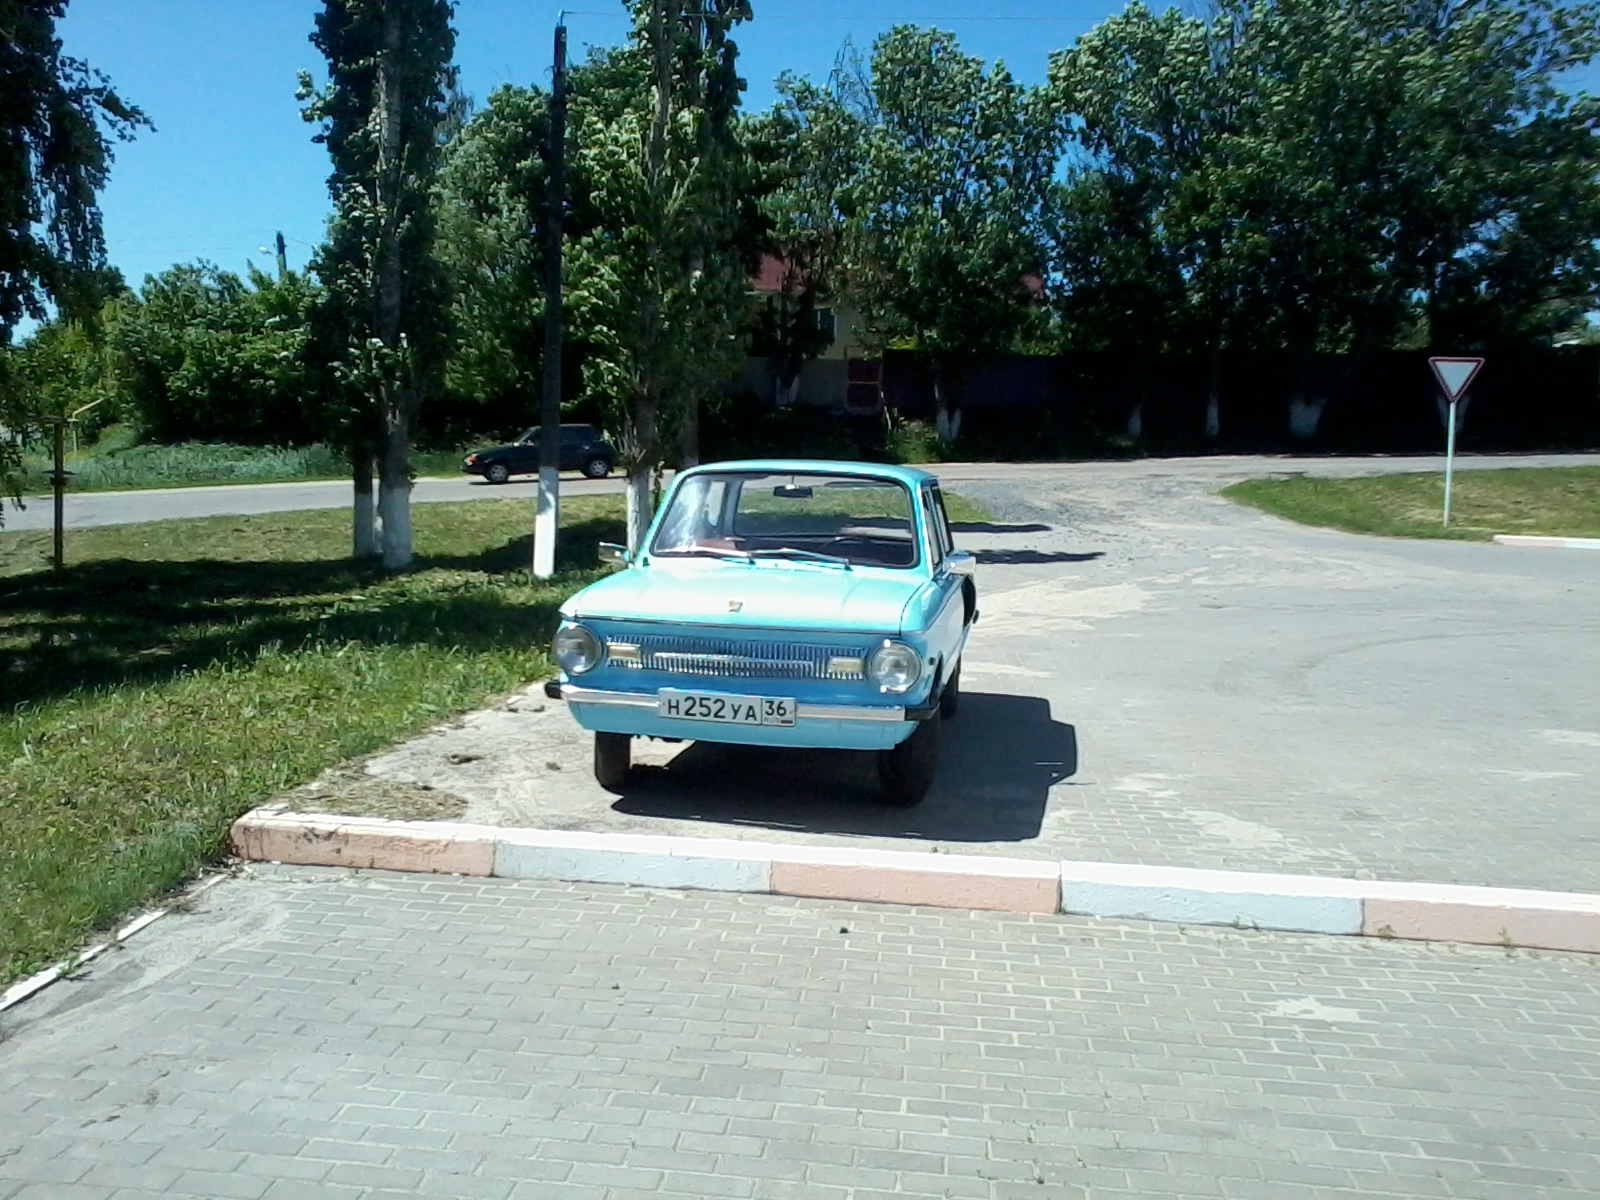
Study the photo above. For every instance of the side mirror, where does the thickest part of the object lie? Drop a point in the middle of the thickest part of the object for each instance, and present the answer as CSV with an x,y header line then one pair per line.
x,y
962,562
610,552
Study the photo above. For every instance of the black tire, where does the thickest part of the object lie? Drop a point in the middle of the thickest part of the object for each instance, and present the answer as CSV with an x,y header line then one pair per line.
x,y
613,753
950,698
906,773
597,467
497,472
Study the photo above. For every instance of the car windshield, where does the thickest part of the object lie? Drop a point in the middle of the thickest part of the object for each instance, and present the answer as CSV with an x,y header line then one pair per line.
x,y
802,517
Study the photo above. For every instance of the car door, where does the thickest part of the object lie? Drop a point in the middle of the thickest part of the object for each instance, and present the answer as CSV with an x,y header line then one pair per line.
x,y
574,441
525,456
948,630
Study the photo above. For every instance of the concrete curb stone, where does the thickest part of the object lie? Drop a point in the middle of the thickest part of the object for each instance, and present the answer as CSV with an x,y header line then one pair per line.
x,y
1547,543
1254,900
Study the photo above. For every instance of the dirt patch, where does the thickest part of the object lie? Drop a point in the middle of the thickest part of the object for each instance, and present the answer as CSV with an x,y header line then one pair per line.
x,y
349,791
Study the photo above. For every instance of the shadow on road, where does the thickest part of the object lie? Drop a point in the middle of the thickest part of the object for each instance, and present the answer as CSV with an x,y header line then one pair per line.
x,y
991,527
1023,558
1001,756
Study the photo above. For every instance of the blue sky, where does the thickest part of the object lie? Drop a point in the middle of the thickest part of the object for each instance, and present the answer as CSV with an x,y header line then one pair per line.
x,y
230,160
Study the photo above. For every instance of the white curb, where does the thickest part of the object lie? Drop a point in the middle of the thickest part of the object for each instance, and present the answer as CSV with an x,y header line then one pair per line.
x,y
1547,543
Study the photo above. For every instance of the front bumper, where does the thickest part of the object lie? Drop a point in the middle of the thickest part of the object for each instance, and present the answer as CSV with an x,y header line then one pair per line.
x,y
840,726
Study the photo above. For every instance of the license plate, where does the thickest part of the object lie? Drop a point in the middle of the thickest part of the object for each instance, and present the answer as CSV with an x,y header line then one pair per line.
x,y
726,710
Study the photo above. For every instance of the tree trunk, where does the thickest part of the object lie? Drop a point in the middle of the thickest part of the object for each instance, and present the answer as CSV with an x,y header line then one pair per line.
x,y
641,441
689,435
394,485
946,418
640,476
394,468
364,517
1213,400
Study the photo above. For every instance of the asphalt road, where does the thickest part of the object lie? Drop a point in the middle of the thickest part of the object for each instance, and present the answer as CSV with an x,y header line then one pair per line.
x,y
1161,676
123,508
341,1035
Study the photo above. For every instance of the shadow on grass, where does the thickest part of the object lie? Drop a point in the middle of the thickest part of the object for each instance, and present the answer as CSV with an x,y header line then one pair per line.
x,y
118,621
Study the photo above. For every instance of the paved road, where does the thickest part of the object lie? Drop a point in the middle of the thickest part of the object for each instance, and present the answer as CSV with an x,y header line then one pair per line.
x,y
161,504
313,1035
1161,676
122,508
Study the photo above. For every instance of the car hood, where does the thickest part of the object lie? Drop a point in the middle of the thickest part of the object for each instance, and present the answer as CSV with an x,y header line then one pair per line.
x,y
761,595
496,450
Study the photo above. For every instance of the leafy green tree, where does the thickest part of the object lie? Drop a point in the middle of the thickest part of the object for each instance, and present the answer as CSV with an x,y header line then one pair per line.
x,y
203,355
58,119
807,150
382,114
661,252
491,202
1328,176
943,216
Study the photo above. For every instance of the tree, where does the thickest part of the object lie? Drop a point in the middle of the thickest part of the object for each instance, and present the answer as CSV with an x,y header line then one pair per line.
x,y
807,149
58,119
203,355
491,202
1329,176
662,252
388,96
943,217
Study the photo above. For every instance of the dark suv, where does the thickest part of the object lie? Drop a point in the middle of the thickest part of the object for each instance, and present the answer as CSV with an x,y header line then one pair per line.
x,y
582,449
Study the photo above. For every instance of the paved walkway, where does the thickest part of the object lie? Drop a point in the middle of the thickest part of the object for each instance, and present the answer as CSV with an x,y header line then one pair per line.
x,y
311,1035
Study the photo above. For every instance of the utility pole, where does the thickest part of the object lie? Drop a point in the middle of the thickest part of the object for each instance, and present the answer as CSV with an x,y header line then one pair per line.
x,y
548,519
283,257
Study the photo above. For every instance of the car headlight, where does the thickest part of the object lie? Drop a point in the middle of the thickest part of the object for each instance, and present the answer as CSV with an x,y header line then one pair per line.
x,y
472,458
894,667
575,649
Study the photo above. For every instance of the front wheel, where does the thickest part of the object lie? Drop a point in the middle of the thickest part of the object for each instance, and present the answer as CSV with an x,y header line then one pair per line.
x,y
597,468
906,772
497,473
613,754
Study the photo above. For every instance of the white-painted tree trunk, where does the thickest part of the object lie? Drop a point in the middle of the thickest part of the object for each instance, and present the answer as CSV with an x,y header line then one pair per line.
x,y
1213,418
394,485
1136,421
394,507
363,511
1305,414
689,435
640,477
946,420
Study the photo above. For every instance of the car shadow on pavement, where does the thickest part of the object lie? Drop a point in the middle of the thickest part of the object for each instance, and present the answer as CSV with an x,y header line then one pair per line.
x,y
1001,756
1019,558
995,527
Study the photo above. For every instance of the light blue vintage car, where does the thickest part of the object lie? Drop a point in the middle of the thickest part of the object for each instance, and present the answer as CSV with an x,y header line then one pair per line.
x,y
778,603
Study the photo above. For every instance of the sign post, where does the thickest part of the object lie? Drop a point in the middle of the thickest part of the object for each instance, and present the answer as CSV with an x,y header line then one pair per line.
x,y
1455,376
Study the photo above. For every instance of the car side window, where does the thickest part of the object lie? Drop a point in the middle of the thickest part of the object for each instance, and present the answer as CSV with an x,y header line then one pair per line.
x,y
930,523
941,520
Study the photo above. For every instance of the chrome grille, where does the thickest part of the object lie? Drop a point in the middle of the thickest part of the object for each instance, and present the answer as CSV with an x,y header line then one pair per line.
x,y
722,659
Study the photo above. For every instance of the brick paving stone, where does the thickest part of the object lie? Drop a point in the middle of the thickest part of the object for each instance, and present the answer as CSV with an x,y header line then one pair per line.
x,y
926,1053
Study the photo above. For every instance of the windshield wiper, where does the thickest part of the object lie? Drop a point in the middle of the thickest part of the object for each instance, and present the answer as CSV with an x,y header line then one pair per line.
x,y
702,552
795,552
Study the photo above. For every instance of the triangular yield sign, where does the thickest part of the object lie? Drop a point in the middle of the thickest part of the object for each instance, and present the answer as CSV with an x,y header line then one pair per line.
x,y
1455,374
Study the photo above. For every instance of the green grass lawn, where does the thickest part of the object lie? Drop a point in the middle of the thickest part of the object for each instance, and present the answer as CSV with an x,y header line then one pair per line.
x,y
1552,501
179,673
